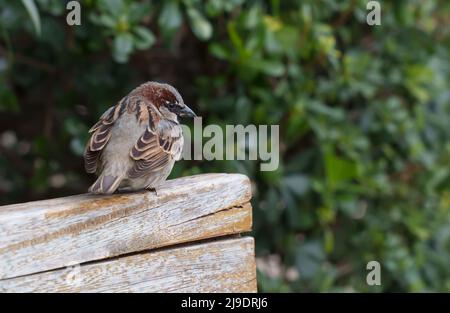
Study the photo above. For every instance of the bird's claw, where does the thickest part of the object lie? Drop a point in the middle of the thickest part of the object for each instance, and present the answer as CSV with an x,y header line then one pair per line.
x,y
153,190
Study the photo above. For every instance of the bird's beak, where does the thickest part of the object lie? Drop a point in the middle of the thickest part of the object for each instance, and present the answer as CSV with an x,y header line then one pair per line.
x,y
187,112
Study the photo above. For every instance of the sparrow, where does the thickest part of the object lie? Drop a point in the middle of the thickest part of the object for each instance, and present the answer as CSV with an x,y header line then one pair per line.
x,y
136,142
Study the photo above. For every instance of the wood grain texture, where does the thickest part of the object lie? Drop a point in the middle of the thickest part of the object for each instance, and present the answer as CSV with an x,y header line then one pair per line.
x,y
216,266
44,235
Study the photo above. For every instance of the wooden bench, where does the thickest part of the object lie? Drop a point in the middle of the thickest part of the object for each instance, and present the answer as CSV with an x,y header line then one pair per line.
x,y
184,239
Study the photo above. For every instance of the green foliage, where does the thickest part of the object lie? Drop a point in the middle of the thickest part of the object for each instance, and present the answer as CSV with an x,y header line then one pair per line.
x,y
34,14
364,114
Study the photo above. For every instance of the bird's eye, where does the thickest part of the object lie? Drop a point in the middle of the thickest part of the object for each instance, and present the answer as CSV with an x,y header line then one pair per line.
x,y
170,104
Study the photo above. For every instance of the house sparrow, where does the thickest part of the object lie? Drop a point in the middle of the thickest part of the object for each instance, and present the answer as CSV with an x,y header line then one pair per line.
x,y
135,143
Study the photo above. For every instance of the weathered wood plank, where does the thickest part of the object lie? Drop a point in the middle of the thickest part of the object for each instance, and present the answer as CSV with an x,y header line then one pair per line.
x,y
43,235
216,266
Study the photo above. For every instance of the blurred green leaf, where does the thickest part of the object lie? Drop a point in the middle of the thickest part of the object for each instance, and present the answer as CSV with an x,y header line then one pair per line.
x,y
137,11
170,17
123,46
200,26
105,20
337,169
299,184
308,259
272,68
112,7
219,51
8,100
33,12
144,38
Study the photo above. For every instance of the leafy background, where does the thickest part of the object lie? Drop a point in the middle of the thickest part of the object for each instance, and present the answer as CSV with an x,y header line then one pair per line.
x,y
364,114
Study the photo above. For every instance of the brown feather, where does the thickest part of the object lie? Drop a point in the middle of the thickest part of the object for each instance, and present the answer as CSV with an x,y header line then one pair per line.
x,y
153,150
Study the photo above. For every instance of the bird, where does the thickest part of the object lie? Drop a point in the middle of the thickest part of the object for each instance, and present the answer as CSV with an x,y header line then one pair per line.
x,y
136,142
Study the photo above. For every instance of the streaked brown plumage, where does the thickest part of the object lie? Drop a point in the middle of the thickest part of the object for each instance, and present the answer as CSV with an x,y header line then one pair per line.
x,y
135,143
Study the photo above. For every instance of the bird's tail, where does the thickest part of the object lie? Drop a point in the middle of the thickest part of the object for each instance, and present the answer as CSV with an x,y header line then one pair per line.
x,y
105,184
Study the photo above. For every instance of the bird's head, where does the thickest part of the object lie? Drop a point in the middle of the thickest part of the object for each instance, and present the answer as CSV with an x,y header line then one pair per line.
x,y
166,99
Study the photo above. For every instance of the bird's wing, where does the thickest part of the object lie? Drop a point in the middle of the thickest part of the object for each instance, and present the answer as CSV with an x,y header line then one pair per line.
x,y
101,131
161,143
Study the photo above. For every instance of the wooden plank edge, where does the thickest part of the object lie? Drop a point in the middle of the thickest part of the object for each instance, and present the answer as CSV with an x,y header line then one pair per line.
x,y
228,221
226,265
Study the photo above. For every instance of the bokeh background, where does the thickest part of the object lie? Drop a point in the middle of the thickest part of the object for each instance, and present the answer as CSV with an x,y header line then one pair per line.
x,y
364,114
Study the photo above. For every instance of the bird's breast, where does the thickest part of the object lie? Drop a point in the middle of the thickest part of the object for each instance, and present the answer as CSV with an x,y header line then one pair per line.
x,y
124,134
